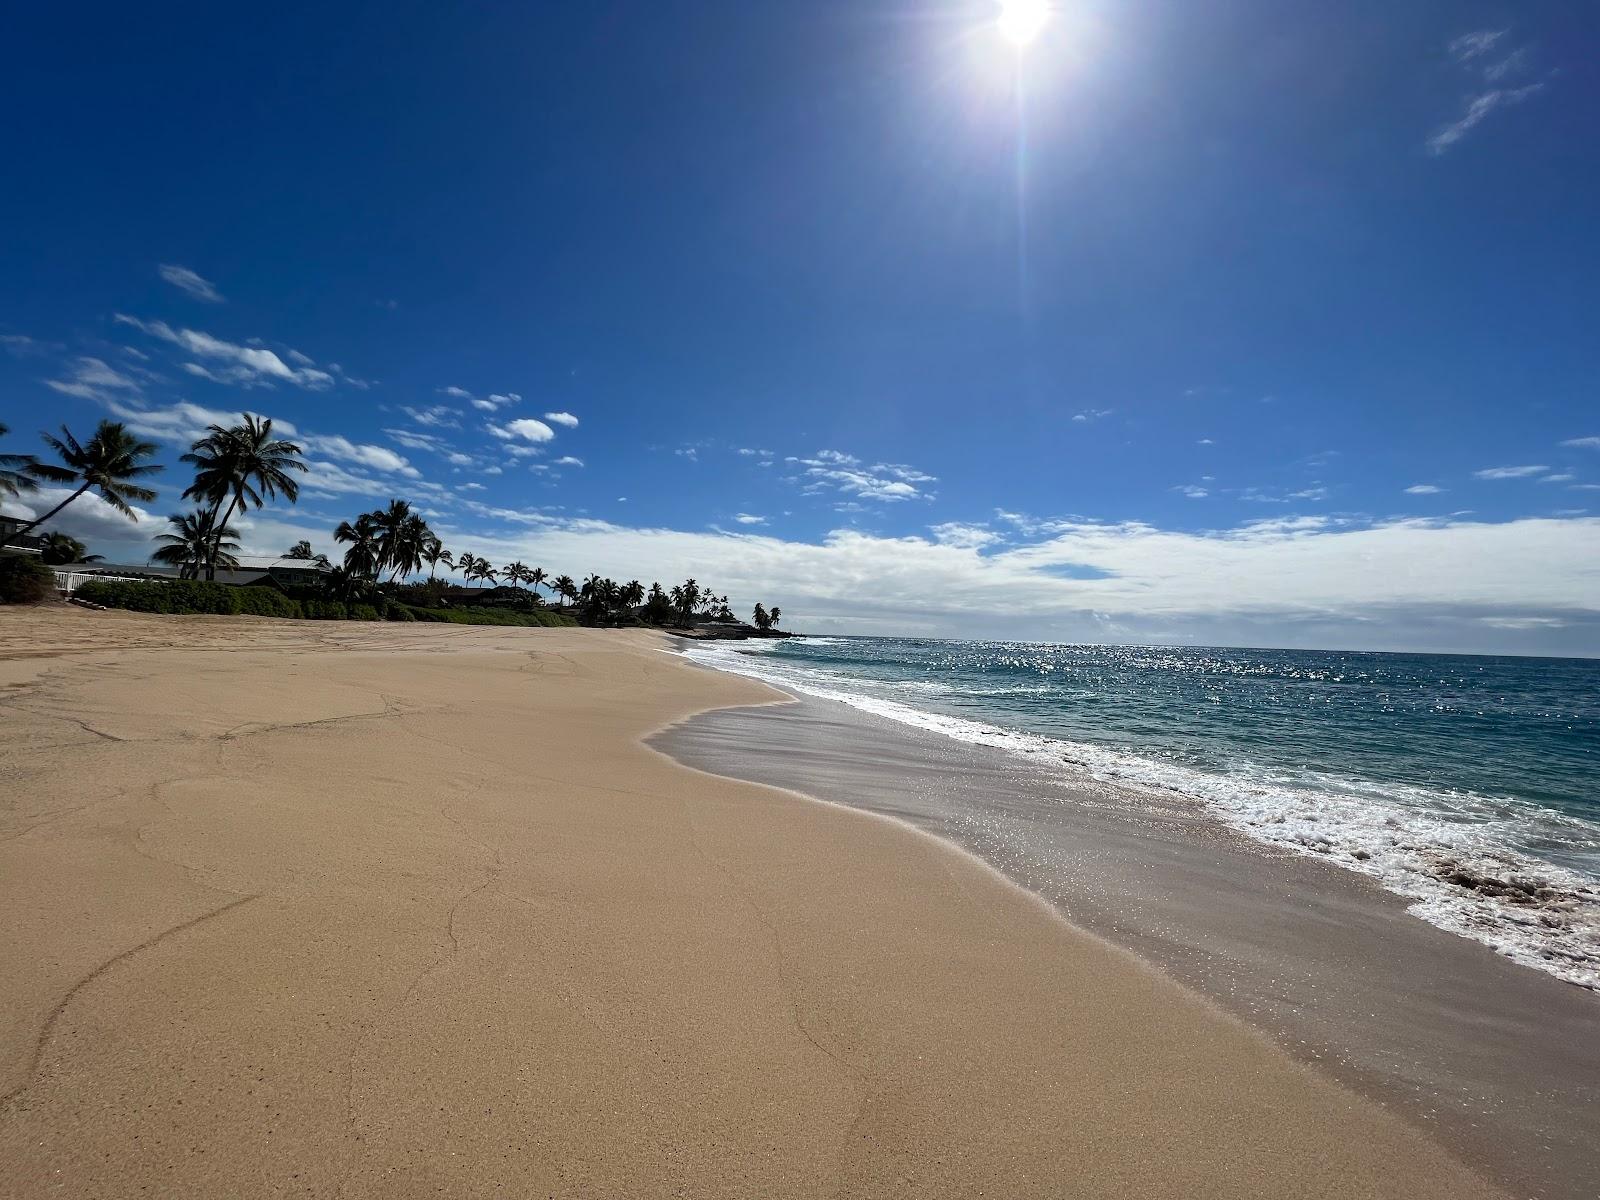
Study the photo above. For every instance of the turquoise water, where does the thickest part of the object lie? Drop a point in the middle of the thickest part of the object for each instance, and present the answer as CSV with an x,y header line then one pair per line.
x,y
1465,783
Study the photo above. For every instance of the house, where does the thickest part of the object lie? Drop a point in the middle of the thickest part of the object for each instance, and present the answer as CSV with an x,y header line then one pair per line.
x,y
252,569
25,544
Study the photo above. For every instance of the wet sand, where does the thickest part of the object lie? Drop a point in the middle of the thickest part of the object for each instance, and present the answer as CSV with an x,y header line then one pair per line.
x,y
364,910
1499,1061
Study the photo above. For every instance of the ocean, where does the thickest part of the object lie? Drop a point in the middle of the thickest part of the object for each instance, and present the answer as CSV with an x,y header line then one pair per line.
x,y
1465,784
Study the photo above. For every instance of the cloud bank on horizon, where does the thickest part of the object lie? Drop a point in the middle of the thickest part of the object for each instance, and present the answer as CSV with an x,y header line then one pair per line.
x,y
1243,365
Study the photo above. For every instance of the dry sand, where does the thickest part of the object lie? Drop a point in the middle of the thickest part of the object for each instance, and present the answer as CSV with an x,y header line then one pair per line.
x,y
401,910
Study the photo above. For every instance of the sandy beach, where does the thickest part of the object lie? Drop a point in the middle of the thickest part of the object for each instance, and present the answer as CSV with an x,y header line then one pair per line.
x,y
368,910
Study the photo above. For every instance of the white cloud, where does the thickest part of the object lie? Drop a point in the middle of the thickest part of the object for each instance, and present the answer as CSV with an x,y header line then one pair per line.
x,y
1478,109
1583,443
1092,414
1530,584
1512,64
377,458
1301,581
412,440
833,470
562,418
567,461
1509,472
488,403
436,416
750,519
1563,477
1471,45
247,366
964,536
1193,491
182,423
1423,489
91,520
189,281
526,428
92,379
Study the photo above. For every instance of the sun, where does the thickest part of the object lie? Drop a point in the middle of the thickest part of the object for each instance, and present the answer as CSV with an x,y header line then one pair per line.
x,y
1022,21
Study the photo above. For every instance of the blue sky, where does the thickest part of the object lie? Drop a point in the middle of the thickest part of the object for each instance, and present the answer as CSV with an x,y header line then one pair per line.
x,y
1245,322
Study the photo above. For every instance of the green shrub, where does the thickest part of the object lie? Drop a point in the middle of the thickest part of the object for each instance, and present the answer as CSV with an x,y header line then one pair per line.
x,y
176,596
324,610
364,612
25,580
478,616
189,596
398,612
267,602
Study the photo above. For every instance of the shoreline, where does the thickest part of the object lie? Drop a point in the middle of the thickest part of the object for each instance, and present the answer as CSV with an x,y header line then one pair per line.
x,y
400,910
1499,1060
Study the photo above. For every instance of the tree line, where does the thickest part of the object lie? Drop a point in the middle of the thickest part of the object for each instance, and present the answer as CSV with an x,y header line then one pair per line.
x,y
244,466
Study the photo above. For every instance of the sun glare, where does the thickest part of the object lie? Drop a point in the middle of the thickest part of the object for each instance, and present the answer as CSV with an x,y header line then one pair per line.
x,y
1021,21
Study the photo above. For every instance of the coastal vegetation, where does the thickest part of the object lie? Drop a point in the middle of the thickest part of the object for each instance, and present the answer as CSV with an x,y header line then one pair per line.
x,y
242,467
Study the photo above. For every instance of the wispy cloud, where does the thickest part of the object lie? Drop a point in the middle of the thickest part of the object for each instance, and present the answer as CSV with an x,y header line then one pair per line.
x,y
562,418
490,403
1476,44
1423,489
412,440
1583,443
436,416
190,281
93,379
1478,108
377,458
495,401
1509,472
1478,55
750,519
246,366
833,470
1092,414
567,461
182,422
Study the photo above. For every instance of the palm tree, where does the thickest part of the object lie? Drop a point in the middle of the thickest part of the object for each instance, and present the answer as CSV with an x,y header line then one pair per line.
x,y
632,593
300,550
193,545
774,613
535,577
402,536
57,550
484,569
466,564
243,465
564,587
515,572
434,553
762,619
17,472
362,557
109,462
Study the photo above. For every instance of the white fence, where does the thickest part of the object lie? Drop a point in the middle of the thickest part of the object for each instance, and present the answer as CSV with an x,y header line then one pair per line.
x,y
70,581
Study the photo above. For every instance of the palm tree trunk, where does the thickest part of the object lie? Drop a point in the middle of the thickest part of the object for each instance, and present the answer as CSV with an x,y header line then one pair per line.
x,y
216,537
37,521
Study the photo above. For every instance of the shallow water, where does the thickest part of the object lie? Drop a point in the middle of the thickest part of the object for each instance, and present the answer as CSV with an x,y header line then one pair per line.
x,y
1463,783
